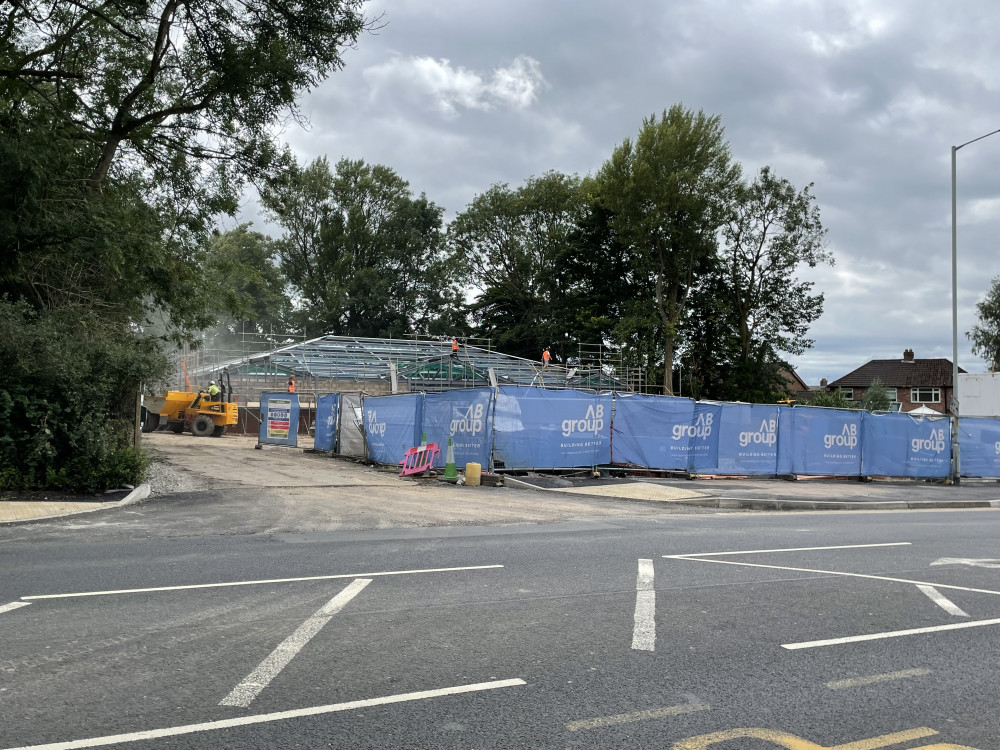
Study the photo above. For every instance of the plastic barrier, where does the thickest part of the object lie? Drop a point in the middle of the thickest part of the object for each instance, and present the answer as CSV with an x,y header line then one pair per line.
x,y
536,428
979,445
466,416
897,445
652,431
419,459
813,440
279,419
391,425
326,421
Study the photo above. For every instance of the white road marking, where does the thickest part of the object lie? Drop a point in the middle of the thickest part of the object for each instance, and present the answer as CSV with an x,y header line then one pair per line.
x,y
644,633
876,678
786,549
891,634
653,713
254,583
987,562
942,601
840,573
267,670
12,606
242,721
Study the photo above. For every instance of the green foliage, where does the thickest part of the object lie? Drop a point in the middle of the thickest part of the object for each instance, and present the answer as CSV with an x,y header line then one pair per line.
x,y
67,400
876,398
248,286
833,399
985,335
513,246
749,311
667,194
125,130
363,255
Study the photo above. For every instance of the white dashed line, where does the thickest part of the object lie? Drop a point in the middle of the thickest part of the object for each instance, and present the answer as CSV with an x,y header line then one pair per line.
x,y
12,606
644,633
278,659
941,600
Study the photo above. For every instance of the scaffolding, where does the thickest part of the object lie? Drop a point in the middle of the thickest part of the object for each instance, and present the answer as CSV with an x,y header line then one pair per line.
x,y
329,364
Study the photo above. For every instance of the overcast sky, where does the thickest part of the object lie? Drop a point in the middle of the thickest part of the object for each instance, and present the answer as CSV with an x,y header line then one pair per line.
x,y
864,99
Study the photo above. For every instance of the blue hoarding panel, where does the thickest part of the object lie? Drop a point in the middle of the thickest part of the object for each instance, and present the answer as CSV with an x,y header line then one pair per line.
x,y
652,431
279,419
392,425
326,421
825,441
539,428
897,445
979,443
748,439
704,437
467,417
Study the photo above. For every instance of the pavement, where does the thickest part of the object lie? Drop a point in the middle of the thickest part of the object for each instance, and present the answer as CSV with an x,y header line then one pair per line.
x,y
186,464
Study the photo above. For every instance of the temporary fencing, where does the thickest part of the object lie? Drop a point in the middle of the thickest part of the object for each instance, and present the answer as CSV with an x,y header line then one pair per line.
x,y
520,428
327,411
537,428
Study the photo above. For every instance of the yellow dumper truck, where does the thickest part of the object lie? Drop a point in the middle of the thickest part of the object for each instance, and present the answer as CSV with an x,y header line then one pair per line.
x,y
194,412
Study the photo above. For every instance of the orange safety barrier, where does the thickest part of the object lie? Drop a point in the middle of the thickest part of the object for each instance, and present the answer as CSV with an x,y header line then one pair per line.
x,y
420,459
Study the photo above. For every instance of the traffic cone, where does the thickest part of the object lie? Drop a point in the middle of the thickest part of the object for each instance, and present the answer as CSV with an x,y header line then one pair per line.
x,y
450,472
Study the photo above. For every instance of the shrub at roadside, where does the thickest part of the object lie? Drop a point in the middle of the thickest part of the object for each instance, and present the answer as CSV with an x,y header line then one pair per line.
x,y
67,400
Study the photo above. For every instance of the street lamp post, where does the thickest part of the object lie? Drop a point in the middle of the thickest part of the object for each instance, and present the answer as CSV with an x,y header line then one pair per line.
x,y
956,463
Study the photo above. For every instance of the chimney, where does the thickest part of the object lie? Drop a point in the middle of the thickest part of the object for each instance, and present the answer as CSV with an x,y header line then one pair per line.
x,y
822,382
908,355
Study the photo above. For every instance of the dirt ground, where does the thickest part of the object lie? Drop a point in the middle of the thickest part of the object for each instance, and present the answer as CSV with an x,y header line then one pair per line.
x,y
285,489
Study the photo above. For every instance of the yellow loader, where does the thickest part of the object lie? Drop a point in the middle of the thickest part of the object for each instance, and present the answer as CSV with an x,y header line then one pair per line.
x,y
195,412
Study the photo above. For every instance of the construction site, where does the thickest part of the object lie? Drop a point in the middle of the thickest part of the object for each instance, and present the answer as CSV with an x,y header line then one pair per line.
x,y
384,366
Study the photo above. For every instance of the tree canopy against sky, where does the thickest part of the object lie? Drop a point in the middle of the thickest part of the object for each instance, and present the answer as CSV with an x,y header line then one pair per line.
x,y
985,335
511,244
362,254
668,192
126,128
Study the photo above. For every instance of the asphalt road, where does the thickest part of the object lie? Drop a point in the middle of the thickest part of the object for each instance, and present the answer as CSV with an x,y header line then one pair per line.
x,y
589,633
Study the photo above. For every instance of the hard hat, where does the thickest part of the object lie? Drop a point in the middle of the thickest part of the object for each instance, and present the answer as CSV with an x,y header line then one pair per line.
x,y
211,382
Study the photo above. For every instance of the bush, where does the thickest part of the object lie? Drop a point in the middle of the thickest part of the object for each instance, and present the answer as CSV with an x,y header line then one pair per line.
x,y
67,400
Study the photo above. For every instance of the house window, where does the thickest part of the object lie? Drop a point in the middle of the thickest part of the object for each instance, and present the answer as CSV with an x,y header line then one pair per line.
x,y
925,395
891,393
847,393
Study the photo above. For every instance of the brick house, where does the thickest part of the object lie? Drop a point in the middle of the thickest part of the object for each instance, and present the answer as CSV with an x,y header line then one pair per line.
x,y
911,382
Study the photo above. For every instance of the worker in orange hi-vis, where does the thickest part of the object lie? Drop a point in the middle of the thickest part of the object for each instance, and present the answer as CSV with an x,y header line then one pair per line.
x,y
454,347
546,358
291,384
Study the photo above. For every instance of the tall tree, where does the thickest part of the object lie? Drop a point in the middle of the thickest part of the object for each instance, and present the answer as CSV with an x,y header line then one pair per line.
x,y
668,192
250,289
772,231
364,256
126,127
166,105
985,335
510,242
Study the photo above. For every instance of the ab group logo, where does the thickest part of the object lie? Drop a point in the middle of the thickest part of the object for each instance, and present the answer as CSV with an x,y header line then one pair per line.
x,y
374,426
935,443
471,422
848,438
766,435
701,428
592,422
